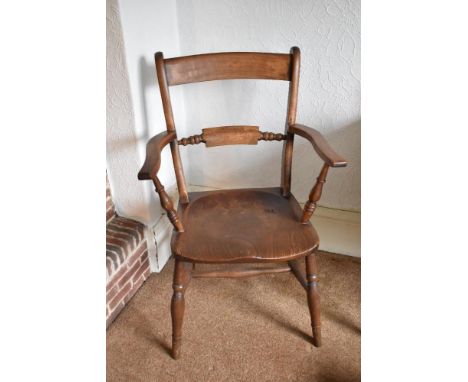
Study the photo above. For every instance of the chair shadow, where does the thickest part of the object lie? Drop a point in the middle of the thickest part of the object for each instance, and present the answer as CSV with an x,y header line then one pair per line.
x,y
326,313
142,328
280,323
340,320
323,377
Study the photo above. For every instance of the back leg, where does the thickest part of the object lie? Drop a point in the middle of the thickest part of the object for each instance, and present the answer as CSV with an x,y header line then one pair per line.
x,y
313,298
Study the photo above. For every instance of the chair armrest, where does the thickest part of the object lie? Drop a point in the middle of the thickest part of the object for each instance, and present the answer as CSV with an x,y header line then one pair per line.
x,y
153,154
329,156
321,146
150,170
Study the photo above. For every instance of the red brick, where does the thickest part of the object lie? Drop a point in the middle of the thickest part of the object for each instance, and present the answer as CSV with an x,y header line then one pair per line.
x,y
128,275
132,235
119,243
109,266
114,314
109,204
139,253
129,224
109,215
116,254
116,277
135,288
111,294
144,267
120,296
124,236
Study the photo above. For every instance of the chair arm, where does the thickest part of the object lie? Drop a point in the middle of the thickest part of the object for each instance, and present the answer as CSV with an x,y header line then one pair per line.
x,y
154,147
329,156
321,146
150,171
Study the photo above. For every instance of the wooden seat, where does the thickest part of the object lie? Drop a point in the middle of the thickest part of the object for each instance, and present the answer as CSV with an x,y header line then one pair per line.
x,y
263,225
249,225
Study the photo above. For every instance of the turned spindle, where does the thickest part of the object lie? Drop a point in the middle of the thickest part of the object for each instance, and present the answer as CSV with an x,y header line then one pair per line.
x,y
269,136
314,195
192,140
166,203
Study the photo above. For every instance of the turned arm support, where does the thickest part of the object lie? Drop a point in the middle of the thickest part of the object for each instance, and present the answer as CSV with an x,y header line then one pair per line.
x,y
150,170
315,194
328,155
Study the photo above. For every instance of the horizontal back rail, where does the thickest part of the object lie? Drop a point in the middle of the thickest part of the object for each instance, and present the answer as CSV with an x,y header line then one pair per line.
x,y
227,66
231,135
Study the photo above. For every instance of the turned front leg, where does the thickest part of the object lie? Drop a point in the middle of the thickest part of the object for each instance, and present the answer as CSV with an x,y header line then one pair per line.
x,y
182,276
313,298
314,195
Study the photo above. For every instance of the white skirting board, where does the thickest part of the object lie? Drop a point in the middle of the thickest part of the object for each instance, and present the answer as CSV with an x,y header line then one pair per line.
x,y
339,232
162,236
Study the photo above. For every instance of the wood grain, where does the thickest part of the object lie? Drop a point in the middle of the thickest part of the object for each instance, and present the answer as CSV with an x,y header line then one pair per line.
x,y
247,225
153,154
315,194
246,272
170,124
269,136
297,272
286,168
225,66
313,298
321,146
230,135
192,140
182,277
167,205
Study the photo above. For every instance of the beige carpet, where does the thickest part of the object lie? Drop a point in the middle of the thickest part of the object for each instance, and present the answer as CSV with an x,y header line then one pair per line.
x,y
254,329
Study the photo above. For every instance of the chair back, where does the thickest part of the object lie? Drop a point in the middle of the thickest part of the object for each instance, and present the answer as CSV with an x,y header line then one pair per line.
x,y
228,66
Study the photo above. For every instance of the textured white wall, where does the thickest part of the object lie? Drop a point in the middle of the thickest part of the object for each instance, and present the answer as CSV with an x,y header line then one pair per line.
x,y
122,156
149,26
135,30
328,33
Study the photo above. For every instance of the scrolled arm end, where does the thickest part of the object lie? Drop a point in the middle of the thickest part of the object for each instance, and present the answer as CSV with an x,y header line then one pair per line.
x,y
153,154
321,146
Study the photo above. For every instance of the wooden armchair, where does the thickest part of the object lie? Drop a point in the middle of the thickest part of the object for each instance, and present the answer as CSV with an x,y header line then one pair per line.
x,y
257,225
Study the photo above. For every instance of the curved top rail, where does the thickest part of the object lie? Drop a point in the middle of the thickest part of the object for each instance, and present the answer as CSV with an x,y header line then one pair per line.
x,y
227,66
